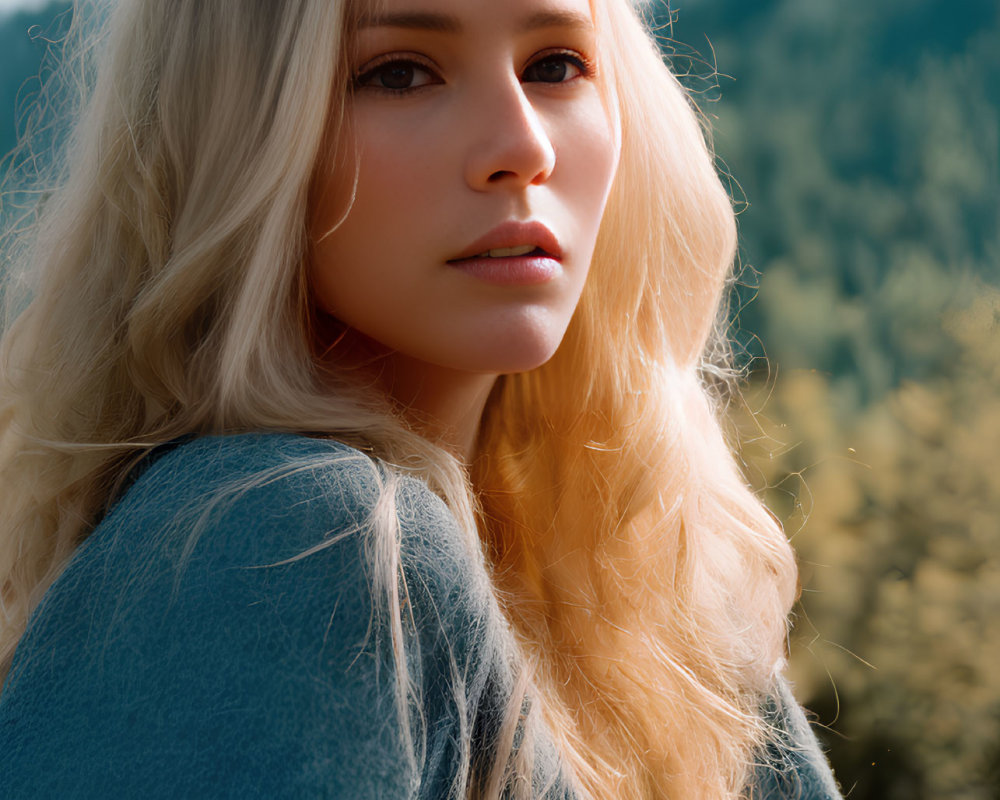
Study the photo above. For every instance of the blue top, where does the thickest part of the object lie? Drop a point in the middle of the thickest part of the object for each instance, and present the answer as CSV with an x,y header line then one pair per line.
x,y
181,653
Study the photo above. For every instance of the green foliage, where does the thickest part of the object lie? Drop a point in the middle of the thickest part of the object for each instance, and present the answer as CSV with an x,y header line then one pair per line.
x,y
28,42
894,517
24,37
866,138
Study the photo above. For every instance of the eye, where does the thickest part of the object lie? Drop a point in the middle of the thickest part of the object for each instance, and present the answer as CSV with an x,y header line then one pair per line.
x,y
396,75
560,67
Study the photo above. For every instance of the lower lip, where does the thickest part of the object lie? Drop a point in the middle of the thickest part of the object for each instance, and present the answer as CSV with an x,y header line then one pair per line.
x,y
510,271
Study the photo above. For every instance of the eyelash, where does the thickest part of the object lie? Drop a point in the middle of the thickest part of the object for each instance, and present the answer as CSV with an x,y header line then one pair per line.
x,y
586,67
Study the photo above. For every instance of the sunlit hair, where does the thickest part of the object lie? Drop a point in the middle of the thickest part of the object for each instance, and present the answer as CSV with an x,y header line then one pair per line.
x,y
162,291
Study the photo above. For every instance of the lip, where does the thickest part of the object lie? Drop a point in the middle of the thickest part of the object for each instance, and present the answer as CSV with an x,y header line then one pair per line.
x,y
514,234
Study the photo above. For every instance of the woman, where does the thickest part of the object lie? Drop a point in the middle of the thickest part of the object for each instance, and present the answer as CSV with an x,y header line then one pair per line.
x,y
354,441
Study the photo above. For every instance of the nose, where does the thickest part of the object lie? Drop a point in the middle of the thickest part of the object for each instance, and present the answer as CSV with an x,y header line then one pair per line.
x,y
510,147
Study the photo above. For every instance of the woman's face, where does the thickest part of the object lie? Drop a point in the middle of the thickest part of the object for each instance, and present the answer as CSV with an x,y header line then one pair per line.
x,y
484,156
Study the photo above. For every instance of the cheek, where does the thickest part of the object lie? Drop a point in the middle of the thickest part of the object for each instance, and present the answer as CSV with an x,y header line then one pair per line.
x,y
396,166
590,153
354,261
399,173
386,180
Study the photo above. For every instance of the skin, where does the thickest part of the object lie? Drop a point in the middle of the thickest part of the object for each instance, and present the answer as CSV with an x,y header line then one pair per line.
x,y
463,117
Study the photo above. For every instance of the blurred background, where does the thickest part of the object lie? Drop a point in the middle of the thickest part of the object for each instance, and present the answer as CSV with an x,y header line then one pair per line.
x,y
860,141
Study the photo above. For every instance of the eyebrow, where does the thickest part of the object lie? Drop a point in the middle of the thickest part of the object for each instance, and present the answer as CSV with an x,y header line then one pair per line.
x,y
446,23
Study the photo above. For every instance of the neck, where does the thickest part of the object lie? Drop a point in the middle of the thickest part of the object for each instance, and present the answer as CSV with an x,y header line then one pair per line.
x,y
446,406
442,404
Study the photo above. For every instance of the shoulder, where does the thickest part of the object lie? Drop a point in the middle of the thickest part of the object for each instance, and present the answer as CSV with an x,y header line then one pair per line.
x,y
238,478
244,510
221,617
272,496
794,765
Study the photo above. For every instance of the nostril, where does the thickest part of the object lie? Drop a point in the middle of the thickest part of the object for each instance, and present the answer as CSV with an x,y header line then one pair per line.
x,y
500,175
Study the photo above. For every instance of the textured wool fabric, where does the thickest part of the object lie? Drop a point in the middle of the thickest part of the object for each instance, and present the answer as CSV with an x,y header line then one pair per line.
x,y
186,652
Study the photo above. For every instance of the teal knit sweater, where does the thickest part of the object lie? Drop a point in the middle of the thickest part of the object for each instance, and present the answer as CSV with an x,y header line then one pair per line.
x,y
186,652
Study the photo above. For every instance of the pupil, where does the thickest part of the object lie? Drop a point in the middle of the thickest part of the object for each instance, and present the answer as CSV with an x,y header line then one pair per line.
x,y
552,70
397,77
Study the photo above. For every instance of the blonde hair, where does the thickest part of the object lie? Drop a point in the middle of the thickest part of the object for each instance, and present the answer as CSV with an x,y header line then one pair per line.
x,y
168,296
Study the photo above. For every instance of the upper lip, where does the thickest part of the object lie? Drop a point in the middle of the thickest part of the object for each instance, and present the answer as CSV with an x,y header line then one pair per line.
x,y
514,234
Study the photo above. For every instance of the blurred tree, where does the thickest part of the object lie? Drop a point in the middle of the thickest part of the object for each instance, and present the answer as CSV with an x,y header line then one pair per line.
x,y
900,551
865,139
24,37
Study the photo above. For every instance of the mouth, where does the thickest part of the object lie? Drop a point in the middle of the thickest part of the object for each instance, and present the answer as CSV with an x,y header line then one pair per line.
x,y
523,251
513,239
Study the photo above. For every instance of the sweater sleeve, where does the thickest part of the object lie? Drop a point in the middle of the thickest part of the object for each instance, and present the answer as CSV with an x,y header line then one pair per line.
x,y
187,652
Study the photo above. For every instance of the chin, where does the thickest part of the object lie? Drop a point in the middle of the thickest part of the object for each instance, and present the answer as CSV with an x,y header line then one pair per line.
x,y
509,356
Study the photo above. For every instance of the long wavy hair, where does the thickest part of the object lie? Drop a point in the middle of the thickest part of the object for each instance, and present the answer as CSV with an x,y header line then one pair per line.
x,y
161,290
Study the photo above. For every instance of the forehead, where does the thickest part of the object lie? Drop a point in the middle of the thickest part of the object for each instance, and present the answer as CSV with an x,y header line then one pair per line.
x,y
455,16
